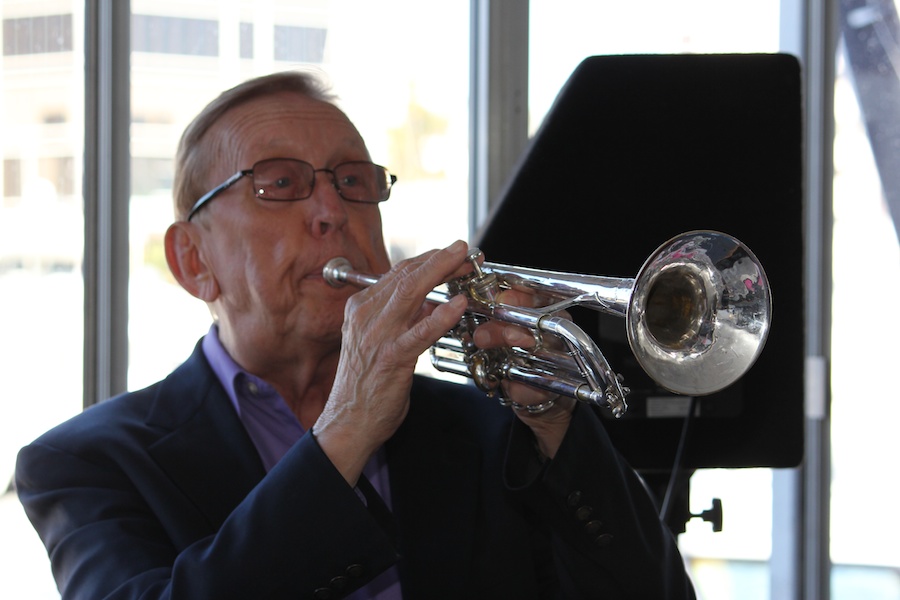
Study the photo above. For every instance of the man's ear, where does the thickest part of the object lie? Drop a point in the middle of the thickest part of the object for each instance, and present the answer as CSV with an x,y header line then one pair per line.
x,y
187,262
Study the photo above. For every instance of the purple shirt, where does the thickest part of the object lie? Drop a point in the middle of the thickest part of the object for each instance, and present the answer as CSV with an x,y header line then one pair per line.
x,y
273,428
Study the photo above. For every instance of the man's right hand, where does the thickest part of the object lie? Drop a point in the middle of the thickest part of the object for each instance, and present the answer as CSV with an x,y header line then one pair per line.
x,y
386,328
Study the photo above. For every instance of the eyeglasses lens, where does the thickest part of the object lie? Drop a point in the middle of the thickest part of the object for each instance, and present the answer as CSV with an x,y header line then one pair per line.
x,y
281,179
289,179
361,181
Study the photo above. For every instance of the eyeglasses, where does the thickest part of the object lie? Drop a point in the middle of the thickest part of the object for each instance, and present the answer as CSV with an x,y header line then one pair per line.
x,y
289,179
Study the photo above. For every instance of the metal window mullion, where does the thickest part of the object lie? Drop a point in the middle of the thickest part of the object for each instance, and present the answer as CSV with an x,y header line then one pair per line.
x,y
802,503
499,100
106,197
821,47
801,564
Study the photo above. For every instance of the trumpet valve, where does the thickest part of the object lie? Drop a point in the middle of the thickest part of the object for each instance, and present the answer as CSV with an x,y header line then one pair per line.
x,y
482,286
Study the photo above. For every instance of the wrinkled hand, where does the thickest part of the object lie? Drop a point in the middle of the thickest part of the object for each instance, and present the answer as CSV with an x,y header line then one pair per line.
x,y
549,427
386,327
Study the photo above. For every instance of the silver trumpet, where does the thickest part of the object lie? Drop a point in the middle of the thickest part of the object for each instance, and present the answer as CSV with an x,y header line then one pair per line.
x,y
696,316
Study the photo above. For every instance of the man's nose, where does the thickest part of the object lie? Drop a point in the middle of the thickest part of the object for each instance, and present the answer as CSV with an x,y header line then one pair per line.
x,y
329,210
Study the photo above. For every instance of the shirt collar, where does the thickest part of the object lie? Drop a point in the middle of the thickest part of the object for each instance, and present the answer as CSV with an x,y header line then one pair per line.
x,y
266,417
236,381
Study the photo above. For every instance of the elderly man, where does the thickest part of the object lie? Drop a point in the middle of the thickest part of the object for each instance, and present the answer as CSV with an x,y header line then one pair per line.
x,y
295,454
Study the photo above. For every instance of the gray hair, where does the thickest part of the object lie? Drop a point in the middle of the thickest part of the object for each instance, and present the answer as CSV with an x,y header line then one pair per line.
x,y
194,156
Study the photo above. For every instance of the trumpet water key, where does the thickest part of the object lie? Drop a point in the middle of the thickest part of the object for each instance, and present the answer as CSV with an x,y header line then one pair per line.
x,y
696,316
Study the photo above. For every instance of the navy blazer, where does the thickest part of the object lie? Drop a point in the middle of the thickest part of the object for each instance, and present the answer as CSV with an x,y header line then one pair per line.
x,y
160,493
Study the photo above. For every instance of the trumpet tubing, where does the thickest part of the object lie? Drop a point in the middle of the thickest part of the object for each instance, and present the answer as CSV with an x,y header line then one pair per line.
x,y
696,315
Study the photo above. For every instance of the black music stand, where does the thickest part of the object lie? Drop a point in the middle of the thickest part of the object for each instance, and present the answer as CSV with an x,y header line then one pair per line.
x,y
635,150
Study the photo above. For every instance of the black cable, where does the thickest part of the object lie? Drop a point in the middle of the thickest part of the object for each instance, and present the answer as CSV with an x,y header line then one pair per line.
x,y
678,463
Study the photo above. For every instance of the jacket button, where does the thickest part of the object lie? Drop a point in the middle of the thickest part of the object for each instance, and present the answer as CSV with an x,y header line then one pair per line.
x,y
574,499
355,571
323,594
604,539
583,513
593,527
339,583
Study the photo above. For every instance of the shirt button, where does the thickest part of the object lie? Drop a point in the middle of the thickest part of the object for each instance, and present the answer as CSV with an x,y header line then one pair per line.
x,y
252,387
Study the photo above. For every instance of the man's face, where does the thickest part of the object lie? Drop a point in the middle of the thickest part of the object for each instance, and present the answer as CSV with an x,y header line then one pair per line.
x,y
266,256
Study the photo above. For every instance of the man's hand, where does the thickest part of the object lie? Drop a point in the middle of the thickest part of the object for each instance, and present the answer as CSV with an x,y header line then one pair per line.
x,y
550,426
386,327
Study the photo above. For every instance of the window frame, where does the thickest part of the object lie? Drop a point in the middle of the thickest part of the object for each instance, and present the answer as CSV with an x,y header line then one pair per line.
x,y
498,129
107,180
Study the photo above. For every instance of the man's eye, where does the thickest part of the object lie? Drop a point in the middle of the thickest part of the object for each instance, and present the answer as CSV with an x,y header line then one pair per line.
x,y
282,182
349,181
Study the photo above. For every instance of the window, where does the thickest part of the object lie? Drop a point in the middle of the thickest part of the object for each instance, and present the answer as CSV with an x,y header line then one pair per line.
x,y
174,35
12,179
866,258
41,243
37,35
151,175
246,40
58,172
299,44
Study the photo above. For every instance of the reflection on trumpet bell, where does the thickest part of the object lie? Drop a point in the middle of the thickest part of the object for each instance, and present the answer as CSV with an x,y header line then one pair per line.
x,y
696,315
699,313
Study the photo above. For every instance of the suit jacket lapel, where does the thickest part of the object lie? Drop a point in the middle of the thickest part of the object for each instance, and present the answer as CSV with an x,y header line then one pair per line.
x,y
207,452
431,470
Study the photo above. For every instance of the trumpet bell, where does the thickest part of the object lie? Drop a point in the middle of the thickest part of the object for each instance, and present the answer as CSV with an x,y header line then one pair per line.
x,y
699,312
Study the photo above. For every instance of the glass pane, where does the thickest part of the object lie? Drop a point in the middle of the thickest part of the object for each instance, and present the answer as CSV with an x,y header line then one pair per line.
x,y
648,27
733,563
41,247
864,409
411,107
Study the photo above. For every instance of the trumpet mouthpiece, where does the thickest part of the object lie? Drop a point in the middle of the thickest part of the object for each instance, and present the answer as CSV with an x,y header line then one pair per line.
x,y
335,271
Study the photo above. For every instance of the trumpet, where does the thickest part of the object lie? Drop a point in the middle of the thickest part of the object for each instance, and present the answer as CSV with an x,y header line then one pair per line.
x,y
697,316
